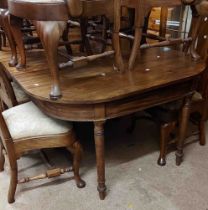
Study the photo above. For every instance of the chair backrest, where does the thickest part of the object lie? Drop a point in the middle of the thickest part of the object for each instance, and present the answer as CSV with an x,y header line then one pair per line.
x,y
7,95
8,100
89,8
142,7
202,44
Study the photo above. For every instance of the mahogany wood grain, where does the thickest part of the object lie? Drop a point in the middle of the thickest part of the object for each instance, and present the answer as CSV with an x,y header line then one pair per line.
x,y
97,94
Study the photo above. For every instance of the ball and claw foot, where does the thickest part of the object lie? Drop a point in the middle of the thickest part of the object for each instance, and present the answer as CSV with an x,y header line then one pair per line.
x,y
161,161
80,183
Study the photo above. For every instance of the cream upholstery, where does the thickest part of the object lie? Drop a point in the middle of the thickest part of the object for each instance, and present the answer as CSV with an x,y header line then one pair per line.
x,y
21,96
197,96
26,120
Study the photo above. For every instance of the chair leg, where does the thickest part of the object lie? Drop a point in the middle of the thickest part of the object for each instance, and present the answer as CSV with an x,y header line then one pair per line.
x,y
165,132
4,39
15,27
50,34
2,158
132,126
77,151
4,15
0,42
13,185
202,135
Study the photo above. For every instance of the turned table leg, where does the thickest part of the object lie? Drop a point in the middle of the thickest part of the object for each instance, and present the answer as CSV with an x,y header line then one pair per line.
x,y
50,33
99,147
15,26
183,128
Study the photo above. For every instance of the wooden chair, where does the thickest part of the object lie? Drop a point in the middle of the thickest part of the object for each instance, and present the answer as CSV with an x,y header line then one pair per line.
x,y
199,100
168,115
43,132
142,8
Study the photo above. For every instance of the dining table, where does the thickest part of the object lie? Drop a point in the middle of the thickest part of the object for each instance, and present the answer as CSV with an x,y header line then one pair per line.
x,y
97,92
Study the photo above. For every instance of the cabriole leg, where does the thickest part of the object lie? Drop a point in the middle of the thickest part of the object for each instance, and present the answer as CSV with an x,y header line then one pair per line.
x,y
50,33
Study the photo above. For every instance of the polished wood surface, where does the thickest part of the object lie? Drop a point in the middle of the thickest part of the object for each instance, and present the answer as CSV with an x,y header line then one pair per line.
x,y
148,75
97,94
50,34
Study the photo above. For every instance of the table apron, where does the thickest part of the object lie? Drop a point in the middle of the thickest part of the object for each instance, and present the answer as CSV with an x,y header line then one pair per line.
x,y
116,108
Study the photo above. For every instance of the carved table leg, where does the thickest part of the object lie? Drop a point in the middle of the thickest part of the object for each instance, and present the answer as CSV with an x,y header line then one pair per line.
x,y
183,128
4,16
100,159
50,33
15,26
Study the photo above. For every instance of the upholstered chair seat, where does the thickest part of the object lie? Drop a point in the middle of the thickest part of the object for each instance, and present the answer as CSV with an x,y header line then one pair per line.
x,y
27,121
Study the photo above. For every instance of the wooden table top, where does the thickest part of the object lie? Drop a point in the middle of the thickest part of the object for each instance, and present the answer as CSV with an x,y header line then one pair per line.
x,y
98,82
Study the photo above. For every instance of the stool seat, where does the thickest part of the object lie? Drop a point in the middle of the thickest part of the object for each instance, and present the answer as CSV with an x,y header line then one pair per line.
x,y
27,121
